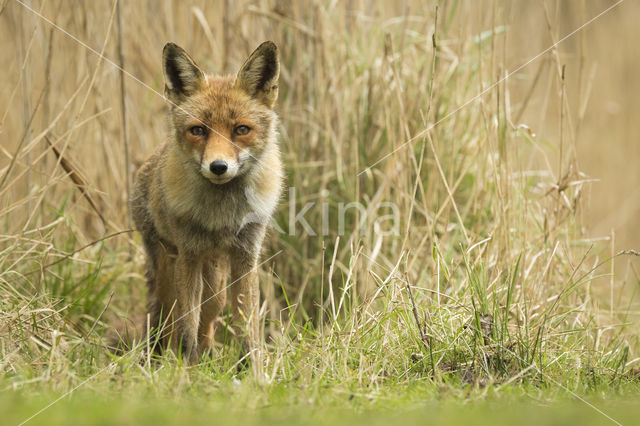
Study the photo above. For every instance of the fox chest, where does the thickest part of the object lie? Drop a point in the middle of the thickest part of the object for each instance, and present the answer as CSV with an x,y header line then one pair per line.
x,y
206,221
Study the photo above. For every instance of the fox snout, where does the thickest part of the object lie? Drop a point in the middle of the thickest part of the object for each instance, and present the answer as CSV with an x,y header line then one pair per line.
x,y
217,155
220,170
218,167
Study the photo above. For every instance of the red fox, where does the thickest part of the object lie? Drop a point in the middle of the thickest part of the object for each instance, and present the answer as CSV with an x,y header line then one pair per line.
x,y
192,197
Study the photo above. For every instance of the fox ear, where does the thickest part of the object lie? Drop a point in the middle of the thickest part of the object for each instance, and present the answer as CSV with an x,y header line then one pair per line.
x,y
182,77
259,75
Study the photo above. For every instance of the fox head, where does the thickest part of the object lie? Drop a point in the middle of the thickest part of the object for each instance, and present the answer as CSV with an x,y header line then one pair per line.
x,y
222,124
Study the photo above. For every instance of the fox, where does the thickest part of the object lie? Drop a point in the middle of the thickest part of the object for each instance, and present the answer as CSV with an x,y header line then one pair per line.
x,y
203,200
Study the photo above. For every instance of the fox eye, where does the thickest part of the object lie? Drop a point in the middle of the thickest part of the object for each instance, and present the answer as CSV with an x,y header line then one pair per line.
x,y
197,131
241,130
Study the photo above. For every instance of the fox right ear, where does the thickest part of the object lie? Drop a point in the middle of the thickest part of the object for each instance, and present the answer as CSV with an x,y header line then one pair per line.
x,y
259,75
182,77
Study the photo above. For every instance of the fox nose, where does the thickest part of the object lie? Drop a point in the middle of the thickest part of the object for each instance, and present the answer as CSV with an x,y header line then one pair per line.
x,y
218,167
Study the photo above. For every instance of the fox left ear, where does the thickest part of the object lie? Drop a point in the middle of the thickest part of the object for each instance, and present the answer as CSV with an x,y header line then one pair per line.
x,y
259,75
182,76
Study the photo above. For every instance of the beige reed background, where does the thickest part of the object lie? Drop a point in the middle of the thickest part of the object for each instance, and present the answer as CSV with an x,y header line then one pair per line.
x,y
355,85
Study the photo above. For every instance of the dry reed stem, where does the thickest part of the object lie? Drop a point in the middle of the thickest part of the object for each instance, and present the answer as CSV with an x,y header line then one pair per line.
x,y
77,179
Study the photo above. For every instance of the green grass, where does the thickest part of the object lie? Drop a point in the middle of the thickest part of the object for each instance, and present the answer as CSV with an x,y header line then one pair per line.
x,y
224,402
365,366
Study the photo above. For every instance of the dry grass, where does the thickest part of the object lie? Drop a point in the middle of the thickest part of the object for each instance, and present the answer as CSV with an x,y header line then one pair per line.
x,y
511,281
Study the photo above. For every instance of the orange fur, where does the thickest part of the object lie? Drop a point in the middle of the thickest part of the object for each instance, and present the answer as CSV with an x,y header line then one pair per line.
x,y
193,215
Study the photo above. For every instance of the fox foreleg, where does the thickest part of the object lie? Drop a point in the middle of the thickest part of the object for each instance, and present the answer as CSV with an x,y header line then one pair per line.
x,y
188,287
244,290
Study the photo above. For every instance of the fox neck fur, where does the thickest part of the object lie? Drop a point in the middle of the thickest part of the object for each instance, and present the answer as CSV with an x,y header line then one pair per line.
x,y
215,212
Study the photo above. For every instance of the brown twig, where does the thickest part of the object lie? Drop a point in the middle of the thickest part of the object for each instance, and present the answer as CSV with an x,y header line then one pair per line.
x,y
76,178
3,6
23,138
100,316
92,243
423,338
123,111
